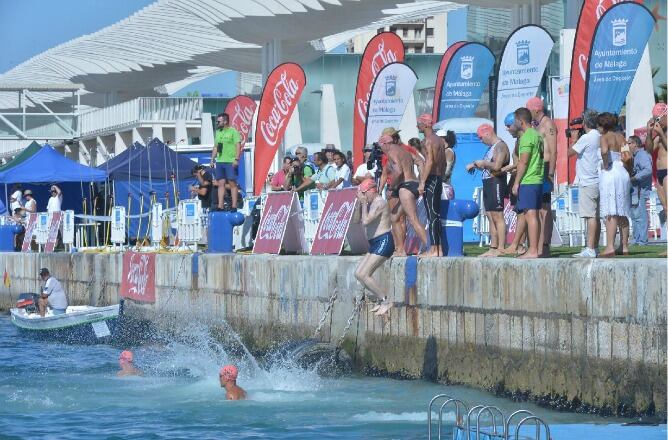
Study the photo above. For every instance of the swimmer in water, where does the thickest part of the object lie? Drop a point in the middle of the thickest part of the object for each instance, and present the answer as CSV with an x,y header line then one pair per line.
x,y
228,380
127,367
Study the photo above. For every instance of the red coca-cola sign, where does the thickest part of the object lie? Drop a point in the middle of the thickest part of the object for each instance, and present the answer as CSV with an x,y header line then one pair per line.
x,y
54,228
273,224
241,110
138,280
334,222
383,49
281,93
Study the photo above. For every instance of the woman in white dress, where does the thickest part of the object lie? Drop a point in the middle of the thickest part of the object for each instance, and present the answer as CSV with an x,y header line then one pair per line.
x,y
614,186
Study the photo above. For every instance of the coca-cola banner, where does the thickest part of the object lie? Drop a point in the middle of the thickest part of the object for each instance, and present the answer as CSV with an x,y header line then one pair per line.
x,y
463,80
241,110
281,225
520,72
620,38
54,228
390,95
335,225
383,49
138,280
30,233
281,93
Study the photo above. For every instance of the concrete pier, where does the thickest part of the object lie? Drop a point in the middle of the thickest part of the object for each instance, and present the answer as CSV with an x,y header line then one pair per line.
x,y
579,334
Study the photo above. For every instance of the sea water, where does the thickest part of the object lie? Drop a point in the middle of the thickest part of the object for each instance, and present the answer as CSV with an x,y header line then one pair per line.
x,y
50,390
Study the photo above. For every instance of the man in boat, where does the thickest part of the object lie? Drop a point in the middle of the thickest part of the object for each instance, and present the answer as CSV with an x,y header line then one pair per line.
x,y
52,295
228,380
125,361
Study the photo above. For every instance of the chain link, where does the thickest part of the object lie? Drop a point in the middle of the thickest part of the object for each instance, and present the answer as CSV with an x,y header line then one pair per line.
x,y
357,307
330,303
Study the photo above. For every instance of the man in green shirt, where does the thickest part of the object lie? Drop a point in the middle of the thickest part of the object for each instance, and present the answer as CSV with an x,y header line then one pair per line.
x,y
225,159
528,185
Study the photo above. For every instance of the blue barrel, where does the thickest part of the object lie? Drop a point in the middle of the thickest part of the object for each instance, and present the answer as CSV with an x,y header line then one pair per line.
x,y
453,214
221,224
7,233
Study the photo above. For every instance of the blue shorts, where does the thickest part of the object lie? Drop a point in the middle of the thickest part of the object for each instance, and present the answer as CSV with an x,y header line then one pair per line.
x,y
58,311
529,197
226,170
382,245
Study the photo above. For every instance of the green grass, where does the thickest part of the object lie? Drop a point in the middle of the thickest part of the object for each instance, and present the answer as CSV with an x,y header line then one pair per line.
x,y
652,251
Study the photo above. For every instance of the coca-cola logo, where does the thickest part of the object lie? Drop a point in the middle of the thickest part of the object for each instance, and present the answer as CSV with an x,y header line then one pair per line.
x,y
582,65
138,273
242,117
284,94
335,221
274,222
380,59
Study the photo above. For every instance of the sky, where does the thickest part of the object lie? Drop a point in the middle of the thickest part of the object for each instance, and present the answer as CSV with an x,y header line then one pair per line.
x,y
28,27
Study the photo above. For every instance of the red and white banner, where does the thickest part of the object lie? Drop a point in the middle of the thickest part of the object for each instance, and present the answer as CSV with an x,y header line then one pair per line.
x,y
30,232
335,225
559,114
383,49
138,280
281,93
440,77
241,110
281,225
54,228
590,14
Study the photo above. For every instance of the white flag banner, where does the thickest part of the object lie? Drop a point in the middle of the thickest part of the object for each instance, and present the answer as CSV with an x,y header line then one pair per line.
x,y
560,88
391,92
520,72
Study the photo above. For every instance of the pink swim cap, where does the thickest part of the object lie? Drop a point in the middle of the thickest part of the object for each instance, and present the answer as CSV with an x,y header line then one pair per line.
x,y
659,109
425,119
385,139
535,103
485,130
367,185
229,372
126,356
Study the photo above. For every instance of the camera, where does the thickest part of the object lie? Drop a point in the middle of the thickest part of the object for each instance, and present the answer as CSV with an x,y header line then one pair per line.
x,y
376,159
577,127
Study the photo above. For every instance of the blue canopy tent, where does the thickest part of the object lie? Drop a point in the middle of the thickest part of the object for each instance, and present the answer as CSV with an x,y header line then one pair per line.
x,y
46,167
146,173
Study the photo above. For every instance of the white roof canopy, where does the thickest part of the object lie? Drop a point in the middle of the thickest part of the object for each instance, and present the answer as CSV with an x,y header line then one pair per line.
x,y
171,43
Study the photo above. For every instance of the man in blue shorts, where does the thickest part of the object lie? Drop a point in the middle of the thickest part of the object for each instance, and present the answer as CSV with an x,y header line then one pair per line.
x,y
528,186
378,222
225,158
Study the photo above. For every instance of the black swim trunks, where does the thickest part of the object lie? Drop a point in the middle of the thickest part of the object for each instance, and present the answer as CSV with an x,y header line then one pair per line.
x,y
494,190
661,174
411,185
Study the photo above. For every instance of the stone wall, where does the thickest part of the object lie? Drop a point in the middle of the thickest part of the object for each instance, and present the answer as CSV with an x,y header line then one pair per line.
x,y
578,334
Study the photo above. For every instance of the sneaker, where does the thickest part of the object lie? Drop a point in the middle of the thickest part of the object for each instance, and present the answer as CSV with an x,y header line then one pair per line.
x,y
586,253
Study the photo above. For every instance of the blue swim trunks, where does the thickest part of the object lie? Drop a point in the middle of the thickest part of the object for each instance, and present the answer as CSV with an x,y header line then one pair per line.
x,y
226,170
529,197
382,245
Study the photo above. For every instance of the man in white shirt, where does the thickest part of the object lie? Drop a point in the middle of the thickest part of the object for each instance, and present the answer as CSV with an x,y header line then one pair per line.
x,y
16,199
362,172
52,295
342,179
587,148
56,200
30,206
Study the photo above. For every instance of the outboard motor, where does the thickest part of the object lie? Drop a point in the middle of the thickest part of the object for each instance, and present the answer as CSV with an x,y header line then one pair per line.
x,y
27,301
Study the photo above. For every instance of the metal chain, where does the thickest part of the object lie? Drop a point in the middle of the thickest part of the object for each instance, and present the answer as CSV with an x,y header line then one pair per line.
x,y
330,303
357,307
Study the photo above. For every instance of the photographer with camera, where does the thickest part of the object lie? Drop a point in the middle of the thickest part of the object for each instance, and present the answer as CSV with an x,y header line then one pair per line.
x,y
204,189
587,148
363,171
296,179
